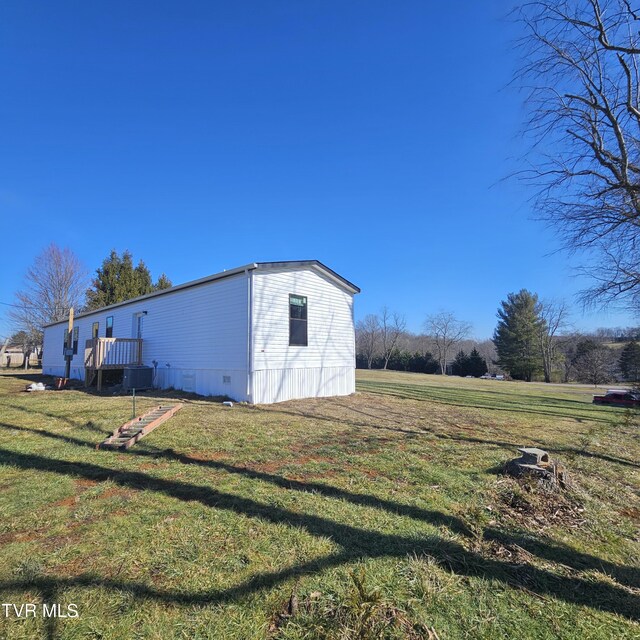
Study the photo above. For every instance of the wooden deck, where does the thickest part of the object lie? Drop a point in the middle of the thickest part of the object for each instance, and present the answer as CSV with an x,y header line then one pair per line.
x,y
110,353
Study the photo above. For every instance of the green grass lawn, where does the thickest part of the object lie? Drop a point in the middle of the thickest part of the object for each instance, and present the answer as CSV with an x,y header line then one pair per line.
x,y
379,515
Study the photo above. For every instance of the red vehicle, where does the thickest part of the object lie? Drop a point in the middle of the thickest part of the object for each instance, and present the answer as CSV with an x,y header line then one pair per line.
x,y
619,398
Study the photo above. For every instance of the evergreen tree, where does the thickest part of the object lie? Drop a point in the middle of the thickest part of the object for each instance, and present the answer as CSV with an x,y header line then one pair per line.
x,y
630,361
162,282
476,364
516,336
423,363
118,280
142,279
469,365
460,364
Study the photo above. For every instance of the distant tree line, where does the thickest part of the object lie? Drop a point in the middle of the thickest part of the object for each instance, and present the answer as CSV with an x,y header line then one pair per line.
x,y
383,342
532,341
400,360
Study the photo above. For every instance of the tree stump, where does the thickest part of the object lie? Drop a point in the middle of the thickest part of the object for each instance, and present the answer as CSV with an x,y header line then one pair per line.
x,y
536,463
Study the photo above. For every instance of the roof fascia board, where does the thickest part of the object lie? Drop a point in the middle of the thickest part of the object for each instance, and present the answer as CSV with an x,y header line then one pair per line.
x,y
155,294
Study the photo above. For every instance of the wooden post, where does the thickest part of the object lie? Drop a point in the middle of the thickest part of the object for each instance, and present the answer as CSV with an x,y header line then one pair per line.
x,y
68,357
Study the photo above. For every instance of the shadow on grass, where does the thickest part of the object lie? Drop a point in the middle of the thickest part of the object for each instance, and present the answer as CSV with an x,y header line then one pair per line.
x,y
58,436
26,376
46,414
329,491
397,508
554,552
478,400
547,550
413,433
355,542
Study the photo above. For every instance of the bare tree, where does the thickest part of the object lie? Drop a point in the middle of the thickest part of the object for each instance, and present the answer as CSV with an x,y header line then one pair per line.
x,y
368,337
596,366
554,315
55,282
582,78
568,351
446,331
392,326
487,349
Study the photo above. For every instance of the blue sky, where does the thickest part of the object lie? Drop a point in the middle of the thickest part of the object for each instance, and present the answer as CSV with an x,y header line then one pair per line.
x,y
373,136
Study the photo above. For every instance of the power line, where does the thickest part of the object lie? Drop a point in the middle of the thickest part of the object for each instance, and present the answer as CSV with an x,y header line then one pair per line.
x,y
20,306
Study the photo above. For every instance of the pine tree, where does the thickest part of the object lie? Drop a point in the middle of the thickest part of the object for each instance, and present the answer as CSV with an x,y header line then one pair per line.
x,y
142,279
118,280
162,283
516,336
630,361
460,364
476,364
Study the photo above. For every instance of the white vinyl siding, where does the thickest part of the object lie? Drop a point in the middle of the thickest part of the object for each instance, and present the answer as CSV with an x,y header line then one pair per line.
x,y
326,366
200,332
331,339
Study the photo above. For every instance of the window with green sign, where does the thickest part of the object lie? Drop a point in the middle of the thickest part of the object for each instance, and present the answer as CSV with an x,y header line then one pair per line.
x,y
297,320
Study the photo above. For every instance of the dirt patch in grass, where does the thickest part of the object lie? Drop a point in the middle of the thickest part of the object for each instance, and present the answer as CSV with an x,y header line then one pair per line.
x,y
312,458
265,467
81,485
70,536
632,513
85,483
117,492
66,502
274,467
206,456
72,568
18,536
148,466
372,473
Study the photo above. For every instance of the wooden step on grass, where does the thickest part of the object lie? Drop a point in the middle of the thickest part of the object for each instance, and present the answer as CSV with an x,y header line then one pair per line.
x,y
130,432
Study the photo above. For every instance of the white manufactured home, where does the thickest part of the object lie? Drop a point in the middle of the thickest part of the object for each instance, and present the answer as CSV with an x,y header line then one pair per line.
x,y
261,333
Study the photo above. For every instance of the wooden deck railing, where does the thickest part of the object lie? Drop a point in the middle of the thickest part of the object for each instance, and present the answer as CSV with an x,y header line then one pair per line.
x,y
112,353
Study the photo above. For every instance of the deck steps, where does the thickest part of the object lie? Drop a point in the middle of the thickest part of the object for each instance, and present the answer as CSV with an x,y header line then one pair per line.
x,y
130,432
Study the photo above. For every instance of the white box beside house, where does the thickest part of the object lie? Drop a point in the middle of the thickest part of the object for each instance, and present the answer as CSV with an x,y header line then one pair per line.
x,y
239,333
